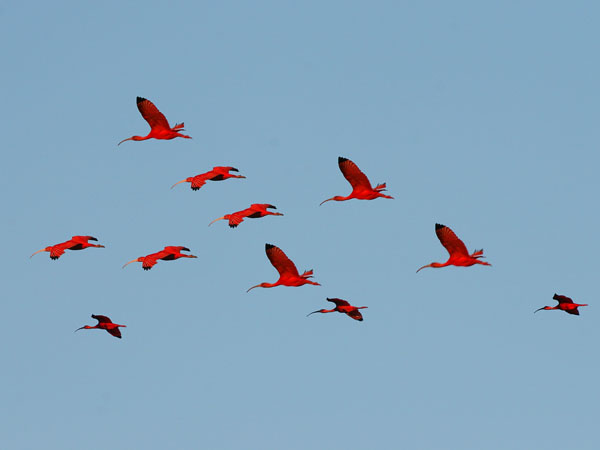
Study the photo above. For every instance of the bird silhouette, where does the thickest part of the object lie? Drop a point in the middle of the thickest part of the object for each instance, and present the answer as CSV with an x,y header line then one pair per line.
x,y
104,323
564,304
288,274
342,306
75,243
361,186
459,255
159,126
218,173
255,211
168,253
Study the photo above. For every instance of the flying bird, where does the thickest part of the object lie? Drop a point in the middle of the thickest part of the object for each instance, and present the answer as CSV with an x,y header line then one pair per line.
x,y
288,274
361,186
160,128
459,255
565,304
75,243
168,253
104,323
255,211
342,306
218,173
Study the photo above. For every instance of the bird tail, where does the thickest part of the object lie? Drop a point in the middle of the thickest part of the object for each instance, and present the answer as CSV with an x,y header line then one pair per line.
x,y
380,187
478,254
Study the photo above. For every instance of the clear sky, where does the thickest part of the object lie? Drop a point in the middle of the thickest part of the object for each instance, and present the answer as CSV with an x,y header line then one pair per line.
x,y
482,116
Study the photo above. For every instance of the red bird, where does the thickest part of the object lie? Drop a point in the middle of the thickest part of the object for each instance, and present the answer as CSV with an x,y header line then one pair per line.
x,y
565,304
255,211
459,255
104,323
75,243
216,174
361,186
343,306
160,128
288,274
166,254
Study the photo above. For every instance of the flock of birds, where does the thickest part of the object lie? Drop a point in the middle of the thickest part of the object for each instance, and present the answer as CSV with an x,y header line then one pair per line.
x,y
288,273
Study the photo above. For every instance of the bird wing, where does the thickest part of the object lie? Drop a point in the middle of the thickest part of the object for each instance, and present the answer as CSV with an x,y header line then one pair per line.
x,y
236,218
562,298
174,249
573,311
353,174
355,314
280,261
81,239
101,319
151,114
338,301
115,332
450,241
58,250
150,261
198,181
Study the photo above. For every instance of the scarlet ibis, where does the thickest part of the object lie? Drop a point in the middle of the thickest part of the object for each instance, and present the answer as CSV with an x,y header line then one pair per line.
x,y
75,243
217,173
344,307
160,128
565,304
459,255
255,211
361,186
104,323
288,274
168,253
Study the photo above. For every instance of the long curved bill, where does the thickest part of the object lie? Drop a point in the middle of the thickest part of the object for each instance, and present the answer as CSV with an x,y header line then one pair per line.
x,y
128,139
428,265
79,329
42,250
325,201
132,261
258,285
220,218
182,181
538,309
313,313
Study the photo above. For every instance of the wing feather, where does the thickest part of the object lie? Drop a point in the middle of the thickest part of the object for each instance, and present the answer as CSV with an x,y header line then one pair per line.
x,y
115,332
562,298
101,319
338,301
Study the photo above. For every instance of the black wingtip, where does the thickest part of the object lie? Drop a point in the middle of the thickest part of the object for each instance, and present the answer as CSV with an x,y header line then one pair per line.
x,y
341,159
234,169
140,99
555,296
439,225
269,246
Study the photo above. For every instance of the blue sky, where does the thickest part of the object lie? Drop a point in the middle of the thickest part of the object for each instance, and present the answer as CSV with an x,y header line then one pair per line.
x,y
478,116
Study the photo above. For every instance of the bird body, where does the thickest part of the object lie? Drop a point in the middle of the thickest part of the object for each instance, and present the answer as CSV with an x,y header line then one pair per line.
x,y
169,253
342,306
459,255
361,186
255,211
564,304
75,243
159,126
288,273
104,323
218,173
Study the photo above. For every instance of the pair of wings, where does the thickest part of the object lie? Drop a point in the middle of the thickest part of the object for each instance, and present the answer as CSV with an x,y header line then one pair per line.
x,y
59,249
216,174
254,211
104,319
